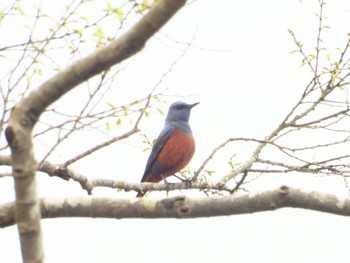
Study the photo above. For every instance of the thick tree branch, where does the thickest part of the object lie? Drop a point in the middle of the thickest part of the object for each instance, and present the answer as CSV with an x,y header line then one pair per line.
x,y
185,207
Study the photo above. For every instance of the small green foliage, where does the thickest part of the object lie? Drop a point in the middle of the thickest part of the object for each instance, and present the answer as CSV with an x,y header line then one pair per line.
x,y
120,14
297,43
38,71
231,163
154,141
188,169
18,8
145,5
125,111
119,122
293,51
108,127
209,172
160,111
116,11
336,64
147,142
110,104
99,33
78,31
146,149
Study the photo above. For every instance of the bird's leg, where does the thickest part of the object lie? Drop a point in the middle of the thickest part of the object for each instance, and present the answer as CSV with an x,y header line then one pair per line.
x,y
186,180
181,179
164,178
170,186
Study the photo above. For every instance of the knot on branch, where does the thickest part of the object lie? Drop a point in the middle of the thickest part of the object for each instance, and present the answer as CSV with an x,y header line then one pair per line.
x,y
62,173
282,194
10,135
178,204
283,191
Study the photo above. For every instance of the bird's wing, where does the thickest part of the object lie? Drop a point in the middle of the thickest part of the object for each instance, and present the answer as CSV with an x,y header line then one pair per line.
x,y
157,147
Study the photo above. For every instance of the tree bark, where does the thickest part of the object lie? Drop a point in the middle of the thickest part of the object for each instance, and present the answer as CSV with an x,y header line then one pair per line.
x,y
185,207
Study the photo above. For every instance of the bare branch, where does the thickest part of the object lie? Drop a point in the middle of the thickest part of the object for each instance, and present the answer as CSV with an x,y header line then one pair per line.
x,y
185,207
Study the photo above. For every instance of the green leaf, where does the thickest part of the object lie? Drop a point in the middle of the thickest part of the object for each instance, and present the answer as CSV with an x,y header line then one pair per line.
x,y
146,149
117,11
332,77
160,111
39,71
336,64
110,104
154,141
18,8
108,127
210,172
78,31
119,122
99,33
311,57
294,51
145,5
125,111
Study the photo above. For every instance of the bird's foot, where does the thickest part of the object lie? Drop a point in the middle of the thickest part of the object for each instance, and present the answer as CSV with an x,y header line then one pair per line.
x,y
184,180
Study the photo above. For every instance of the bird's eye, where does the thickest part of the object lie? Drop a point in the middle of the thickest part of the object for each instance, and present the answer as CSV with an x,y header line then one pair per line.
x,y
180,107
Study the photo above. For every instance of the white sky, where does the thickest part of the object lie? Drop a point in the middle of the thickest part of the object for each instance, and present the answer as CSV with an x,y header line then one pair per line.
x,y
245,86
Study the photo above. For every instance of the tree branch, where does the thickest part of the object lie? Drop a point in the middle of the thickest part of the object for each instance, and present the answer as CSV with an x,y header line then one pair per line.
x,y
185,207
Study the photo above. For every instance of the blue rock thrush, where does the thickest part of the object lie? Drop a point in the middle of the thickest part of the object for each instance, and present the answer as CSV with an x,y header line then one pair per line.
x,y
174,147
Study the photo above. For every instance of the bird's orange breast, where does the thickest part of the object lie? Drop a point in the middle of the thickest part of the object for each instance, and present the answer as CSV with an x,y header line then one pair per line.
x,y
176,153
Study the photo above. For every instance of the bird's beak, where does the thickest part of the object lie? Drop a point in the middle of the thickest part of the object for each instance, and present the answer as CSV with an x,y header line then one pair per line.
x,y
194,104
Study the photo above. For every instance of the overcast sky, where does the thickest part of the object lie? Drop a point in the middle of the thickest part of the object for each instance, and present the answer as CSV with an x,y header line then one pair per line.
x,y
241,71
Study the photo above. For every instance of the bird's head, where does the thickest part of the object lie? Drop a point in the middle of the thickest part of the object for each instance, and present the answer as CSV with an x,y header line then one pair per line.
x,y
180,111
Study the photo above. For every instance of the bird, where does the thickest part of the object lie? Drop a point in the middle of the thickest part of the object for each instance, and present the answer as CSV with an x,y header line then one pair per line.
x,y
174,147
